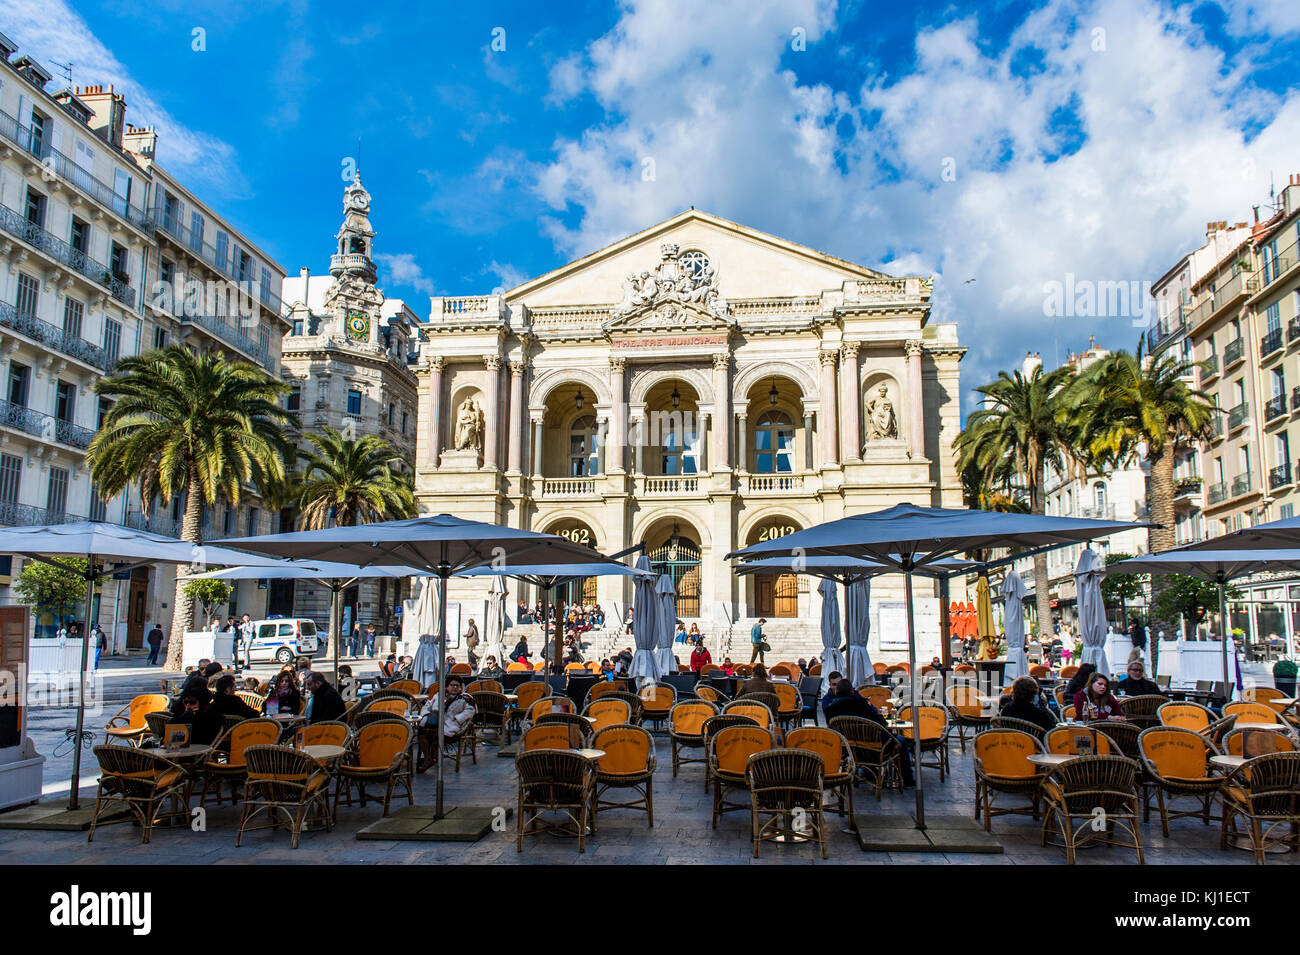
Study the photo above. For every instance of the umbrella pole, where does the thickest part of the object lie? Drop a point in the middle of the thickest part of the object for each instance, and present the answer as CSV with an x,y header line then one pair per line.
x,y
74,792
1223,617
546,612
444,571
336,624
916,729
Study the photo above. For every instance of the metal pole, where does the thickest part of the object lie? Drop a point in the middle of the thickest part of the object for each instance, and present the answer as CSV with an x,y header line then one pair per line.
x,y
444,571
81,689
546,612
1223,617
336,623
916,727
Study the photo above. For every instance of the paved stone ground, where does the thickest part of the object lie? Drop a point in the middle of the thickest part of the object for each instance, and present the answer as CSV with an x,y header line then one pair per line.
x,y
681,835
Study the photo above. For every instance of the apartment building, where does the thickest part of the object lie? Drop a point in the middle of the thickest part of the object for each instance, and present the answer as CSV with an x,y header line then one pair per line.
x,y
85,240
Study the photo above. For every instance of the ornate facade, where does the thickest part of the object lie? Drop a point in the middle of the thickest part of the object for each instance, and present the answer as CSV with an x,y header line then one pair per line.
x,y
697,387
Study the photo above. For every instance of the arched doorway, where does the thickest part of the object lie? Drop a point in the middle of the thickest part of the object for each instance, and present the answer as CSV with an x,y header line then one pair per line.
x,y
678,556
775,595
581,591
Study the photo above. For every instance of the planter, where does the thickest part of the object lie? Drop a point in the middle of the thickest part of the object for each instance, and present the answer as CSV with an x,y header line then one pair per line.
x,y
21,771
1285,683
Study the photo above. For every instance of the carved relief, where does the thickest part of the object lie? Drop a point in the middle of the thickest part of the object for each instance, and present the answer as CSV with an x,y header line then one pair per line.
x,y
882,419
680,292
469,426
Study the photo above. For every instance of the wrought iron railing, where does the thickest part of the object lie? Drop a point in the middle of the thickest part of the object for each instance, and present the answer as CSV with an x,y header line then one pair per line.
x,y
55,337
16,224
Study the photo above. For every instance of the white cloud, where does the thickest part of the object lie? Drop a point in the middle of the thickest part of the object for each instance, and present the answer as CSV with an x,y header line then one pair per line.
x,y
508,275
857,171
50,30
401,269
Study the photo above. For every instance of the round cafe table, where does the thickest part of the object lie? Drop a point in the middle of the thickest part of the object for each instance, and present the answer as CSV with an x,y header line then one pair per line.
x,y
325,753
185,754
1050,760
1229,764
590,753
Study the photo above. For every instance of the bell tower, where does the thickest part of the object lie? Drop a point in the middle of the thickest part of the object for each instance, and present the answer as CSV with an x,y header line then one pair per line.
x,y
352,300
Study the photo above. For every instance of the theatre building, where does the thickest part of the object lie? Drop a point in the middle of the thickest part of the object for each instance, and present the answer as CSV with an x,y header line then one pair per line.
x,y
695,388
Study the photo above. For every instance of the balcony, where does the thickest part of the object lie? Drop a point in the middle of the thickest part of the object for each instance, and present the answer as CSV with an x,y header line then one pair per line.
x,y
1234,290
54,337
16,224
1293,329
1105,512
1216,426
22,418
1164,332
1270,343
194,243
1279,476
1234,352
44,426
155,523
1187,487
1209,367
1241,484
1281,264
215,325
1275,407
80,178
1237,416
1217,494
773,484
24,515
568,487
670,486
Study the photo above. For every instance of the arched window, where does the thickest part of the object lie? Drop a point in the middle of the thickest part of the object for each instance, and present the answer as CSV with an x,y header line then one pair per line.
x,y
774,444
584,447
1099,497
680,447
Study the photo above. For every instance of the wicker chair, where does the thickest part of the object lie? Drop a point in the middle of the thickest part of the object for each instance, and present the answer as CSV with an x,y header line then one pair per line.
x,y
876,751
1234,742
1124,741
608,712
554,781
657,700
1020,726
1143,711
1079,791
362,720
142,781
881,697
1061,741
602,688
1264,793
1177,762
481,686
770,700
628,763
756,710
382,754
710,694
714,725
129,724
729,753
409,687
393,707
255,700
1002,767
491,715
785,785
839,769
933,723
554,735
579,728
789,706
1188,716
686,730
283,782
964,700
526,694
226,762
631,699
327,733
157,724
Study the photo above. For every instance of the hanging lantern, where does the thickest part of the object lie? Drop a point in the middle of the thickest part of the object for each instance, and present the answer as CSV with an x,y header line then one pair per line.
x,y
577,400
773,395
676,398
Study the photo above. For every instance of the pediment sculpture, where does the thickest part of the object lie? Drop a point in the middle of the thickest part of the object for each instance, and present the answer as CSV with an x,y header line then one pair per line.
x,y
681,285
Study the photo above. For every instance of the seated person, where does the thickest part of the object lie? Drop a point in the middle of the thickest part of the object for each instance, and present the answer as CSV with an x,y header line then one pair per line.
x,y
491,669
832,682
1023,704
325,703
284,696
728,667
849,703
1096,702
204,722
458,714
196,683
387,668
700,657
225,703
1135,683
758,683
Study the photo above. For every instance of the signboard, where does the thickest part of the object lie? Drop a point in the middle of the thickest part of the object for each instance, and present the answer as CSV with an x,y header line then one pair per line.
x,y
891,624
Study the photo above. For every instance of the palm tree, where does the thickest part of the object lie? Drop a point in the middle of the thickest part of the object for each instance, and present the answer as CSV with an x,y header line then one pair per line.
x,y
1138,401
353,482
1022,429
188,425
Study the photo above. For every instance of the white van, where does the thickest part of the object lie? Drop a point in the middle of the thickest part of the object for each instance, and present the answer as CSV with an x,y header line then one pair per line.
x,y
283,640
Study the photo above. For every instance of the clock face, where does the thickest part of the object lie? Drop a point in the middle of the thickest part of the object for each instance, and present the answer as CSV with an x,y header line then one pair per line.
x,y
359,326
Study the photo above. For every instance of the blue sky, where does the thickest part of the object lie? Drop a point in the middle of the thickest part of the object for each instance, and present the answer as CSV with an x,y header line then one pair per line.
x,y
1006,142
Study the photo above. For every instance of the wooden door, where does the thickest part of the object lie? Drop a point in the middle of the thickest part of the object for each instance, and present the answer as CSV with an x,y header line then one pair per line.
x,y
786,596
764,593
135,614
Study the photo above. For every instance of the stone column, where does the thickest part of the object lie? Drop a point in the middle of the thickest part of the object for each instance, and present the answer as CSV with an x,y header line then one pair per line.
x,y
915,402
515,449
808,441
722,410
639,452
537,453
704,437
742,439
492,413
433,414
829,411
618,419
852,402
602,447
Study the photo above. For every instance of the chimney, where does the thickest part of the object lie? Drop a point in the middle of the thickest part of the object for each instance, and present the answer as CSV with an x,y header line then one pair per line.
x,y
305,274
109,112
141,140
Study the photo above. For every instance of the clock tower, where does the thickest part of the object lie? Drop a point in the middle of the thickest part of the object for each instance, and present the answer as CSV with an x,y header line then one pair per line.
x,y
353,301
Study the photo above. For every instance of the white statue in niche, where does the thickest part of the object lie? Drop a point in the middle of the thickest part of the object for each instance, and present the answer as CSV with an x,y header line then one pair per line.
x,y
469,426
881,422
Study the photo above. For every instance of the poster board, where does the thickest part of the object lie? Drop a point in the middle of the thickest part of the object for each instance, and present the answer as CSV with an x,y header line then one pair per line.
x,y
13,673
891,624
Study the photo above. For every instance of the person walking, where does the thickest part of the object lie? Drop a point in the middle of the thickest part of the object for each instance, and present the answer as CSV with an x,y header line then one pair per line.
x,y
100,641
471,643
155,640
370,639
758,640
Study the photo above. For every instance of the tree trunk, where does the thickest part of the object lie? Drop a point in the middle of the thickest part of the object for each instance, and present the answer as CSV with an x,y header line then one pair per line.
x,y
1161,537
183,607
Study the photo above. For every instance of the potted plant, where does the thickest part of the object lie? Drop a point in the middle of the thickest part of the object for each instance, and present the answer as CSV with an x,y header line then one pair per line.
x,y
1284,676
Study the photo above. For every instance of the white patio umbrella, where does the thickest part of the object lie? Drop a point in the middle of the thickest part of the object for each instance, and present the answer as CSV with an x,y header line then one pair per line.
x,y
665,625
1092,609
494,627
426,663
645,610
442,545
1013,621
909,537
832,636
857,613
99,542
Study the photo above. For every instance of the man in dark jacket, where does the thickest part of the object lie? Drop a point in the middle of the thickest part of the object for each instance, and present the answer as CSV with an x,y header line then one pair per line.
x,y
849,703
155,640
325,703
204,722
226,703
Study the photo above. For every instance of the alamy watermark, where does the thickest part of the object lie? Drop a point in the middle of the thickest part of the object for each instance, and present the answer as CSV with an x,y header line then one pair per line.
x,y
1100,298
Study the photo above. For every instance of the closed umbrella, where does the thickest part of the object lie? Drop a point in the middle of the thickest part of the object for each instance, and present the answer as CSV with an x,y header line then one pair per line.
x,y
985,628
645,608
494,627
1092,609
666,625
422,624
1013,618
832,636
857,612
